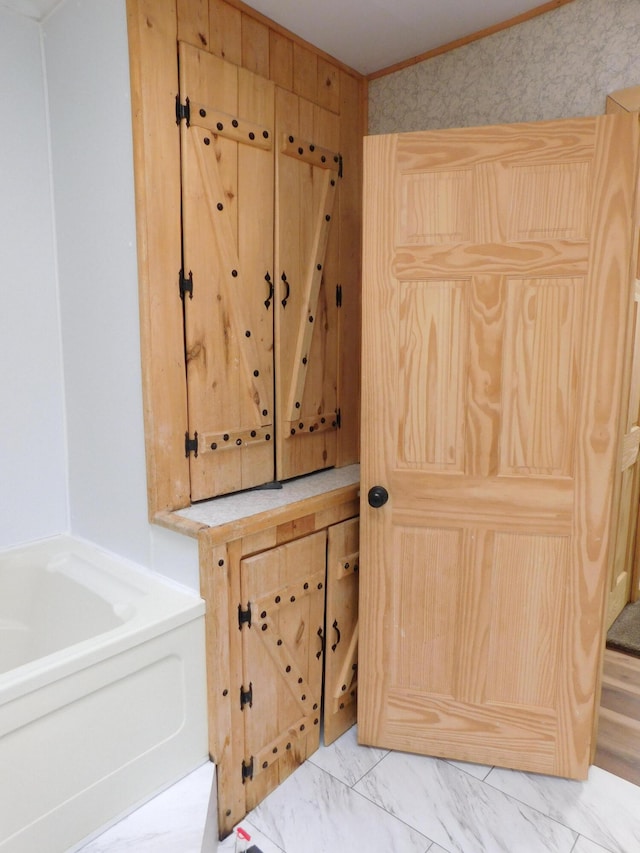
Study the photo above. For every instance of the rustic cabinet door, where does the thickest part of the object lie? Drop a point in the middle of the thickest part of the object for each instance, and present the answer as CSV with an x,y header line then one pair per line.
x,y
341,654
282,652
496,298
227,156
307,257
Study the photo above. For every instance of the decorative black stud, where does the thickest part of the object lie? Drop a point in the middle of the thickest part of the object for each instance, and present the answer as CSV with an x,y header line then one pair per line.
x,y
203,113
220,126
207,141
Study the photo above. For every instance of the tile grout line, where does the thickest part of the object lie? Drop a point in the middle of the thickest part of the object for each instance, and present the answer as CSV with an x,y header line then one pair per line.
x,y
579,834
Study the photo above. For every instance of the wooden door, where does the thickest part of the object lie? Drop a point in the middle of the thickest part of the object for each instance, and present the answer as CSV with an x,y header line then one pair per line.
x,y
284,591
307,256
341,654
626,504
624,573
227,158
496,298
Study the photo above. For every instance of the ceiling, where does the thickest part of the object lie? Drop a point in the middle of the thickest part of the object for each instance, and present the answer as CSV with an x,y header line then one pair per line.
x,y
372,34
367,35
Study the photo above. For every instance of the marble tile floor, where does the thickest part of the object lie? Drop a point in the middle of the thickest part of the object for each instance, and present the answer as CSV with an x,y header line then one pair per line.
x,y
349,798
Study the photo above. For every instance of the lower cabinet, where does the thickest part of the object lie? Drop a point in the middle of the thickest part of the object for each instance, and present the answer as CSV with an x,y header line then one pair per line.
x,y
282,623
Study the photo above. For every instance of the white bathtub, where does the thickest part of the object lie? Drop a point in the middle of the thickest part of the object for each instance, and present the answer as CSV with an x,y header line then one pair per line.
x,y
102,691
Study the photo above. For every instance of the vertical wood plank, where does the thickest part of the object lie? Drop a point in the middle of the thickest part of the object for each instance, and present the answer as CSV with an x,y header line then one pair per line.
x,y
193,22
231,791
305,73
154,83
352,130
214,588
328,85
225,31
255,46
281,60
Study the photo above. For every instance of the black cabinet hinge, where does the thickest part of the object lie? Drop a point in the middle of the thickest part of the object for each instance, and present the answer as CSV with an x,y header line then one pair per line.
x,y
244,616
339,165
191,444
246,696
338,296
247,770
339,418
183,111
185,284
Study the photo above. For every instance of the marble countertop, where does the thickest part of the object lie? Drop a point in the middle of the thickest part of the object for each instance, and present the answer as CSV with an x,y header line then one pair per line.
x,y
230,508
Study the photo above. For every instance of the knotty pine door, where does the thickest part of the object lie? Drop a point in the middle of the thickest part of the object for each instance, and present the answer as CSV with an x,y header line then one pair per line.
x,y
496,302
260,179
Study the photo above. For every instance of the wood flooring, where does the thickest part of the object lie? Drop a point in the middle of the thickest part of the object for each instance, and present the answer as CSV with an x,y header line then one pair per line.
x,y
618,744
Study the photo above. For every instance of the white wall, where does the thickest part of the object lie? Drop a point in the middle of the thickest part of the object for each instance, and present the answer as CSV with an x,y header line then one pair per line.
x,y
559,65
87,68
69,334
32,444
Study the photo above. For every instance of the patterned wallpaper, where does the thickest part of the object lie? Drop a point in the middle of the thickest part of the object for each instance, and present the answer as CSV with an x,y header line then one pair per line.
x,y
558,65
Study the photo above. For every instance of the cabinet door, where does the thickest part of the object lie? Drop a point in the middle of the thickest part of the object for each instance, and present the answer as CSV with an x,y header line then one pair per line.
x,y
496,297
282,660
227,209
341,654
307,256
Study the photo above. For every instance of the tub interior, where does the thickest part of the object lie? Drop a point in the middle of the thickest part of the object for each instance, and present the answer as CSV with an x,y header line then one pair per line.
x,y
64,600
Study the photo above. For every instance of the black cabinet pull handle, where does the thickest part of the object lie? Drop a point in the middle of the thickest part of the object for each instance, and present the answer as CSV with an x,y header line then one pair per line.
x,y
377,496
321,652
288,293
267,301
337,630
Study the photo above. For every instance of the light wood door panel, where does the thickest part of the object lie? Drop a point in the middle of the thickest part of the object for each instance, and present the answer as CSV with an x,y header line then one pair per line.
x,y
307,263
341,652
282,660
624,563
496,297
227,209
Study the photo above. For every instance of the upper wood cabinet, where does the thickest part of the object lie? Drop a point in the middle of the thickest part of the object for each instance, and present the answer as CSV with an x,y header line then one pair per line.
x,y
249,249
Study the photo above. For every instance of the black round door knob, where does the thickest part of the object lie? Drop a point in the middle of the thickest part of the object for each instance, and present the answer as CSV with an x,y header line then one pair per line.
x,y
377,496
